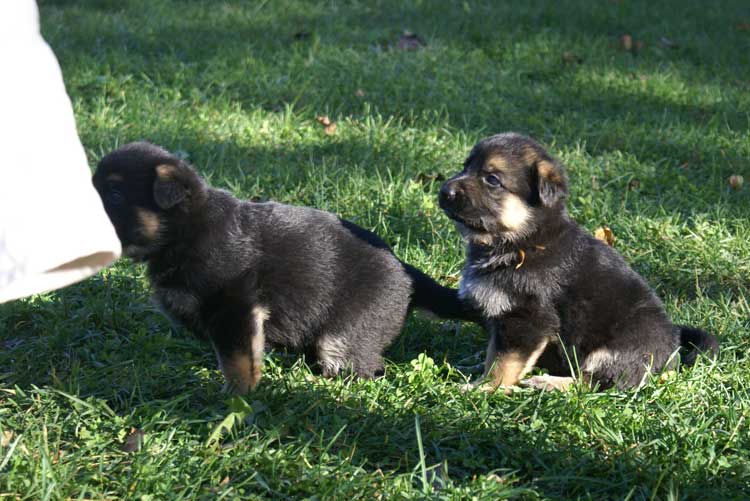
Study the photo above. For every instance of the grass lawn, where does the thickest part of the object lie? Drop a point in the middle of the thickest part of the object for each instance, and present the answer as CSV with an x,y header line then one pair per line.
x,y
100,398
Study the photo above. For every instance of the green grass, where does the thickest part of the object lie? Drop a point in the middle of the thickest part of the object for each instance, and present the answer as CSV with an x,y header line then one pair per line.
x,y
229,85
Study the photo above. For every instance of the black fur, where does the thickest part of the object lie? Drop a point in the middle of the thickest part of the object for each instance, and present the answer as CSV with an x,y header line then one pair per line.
x,y
235,271
541,279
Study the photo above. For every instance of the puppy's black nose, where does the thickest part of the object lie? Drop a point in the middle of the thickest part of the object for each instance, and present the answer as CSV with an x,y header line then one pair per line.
x,y
448,192
448,195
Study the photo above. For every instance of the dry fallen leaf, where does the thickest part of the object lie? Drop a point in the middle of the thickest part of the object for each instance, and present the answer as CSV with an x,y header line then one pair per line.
x,y
410,41
736,181
450,279
224,481
329,127
743,26
634,184
626,42
134,440
605,235
5,438
57,456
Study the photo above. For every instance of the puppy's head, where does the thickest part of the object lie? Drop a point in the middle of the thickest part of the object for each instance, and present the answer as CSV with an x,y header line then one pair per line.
x,y
508,186
148,195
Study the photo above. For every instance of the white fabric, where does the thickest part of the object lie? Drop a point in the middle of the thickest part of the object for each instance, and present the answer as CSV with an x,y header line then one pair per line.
x,y
53,228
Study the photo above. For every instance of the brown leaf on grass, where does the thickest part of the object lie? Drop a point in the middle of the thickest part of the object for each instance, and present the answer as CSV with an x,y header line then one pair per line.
x,y
359,93
224,481
57,456
629,44
134,440
329,127
736,181
743,26
5,438
605,235
634,184
626,42
410,41
450,279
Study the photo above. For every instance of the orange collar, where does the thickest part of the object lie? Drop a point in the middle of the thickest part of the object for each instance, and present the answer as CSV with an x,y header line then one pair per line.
x,y
522,254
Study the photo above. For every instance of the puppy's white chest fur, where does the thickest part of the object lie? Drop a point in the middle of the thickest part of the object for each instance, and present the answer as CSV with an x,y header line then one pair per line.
x,y
484,291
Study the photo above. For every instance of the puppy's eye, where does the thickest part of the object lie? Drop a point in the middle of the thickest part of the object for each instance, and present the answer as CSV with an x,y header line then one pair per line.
x,y
115,197
492,180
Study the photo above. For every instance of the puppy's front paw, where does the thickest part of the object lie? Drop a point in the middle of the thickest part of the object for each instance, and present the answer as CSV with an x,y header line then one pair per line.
x,y
486,387
548,383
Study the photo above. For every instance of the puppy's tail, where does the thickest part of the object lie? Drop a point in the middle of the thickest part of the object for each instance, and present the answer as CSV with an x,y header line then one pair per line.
x,y
694,341
430,296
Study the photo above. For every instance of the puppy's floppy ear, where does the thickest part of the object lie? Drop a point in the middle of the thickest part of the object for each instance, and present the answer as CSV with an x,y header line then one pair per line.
x,y
552,183
175,184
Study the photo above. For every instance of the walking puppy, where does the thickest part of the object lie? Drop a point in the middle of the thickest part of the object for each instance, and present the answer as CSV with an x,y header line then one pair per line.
x,y
243,274
549,291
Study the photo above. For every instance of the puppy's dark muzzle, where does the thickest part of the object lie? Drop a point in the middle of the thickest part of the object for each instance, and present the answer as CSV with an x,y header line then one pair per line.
x,y
451,198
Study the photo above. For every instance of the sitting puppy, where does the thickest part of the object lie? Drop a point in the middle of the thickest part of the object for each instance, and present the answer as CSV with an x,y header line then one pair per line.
x,y
549,291
243,274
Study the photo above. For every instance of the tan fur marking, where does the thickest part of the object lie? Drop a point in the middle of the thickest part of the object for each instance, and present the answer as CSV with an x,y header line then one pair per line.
x,y
530,156
236,370
117,178
548,171
149,222
497,163
546,382
514,213
257,344
510,367
165,171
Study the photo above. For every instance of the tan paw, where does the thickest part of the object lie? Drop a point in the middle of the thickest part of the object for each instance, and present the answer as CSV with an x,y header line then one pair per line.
x,y
548,383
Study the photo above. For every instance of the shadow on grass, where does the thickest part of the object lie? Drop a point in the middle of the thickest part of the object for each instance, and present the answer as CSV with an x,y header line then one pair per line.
x,y
126,355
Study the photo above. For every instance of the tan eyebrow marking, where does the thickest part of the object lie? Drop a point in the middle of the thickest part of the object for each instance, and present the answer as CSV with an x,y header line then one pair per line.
x,y
165,171
497,163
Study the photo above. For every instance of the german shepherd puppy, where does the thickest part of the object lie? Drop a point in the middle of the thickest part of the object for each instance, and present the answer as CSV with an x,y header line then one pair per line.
x,y
243,273
550,292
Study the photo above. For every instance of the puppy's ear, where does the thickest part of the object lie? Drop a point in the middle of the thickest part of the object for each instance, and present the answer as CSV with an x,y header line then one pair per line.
x,y
552,183
175,184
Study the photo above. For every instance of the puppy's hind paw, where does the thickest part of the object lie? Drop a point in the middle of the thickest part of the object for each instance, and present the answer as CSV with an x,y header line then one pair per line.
x,y
548,383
